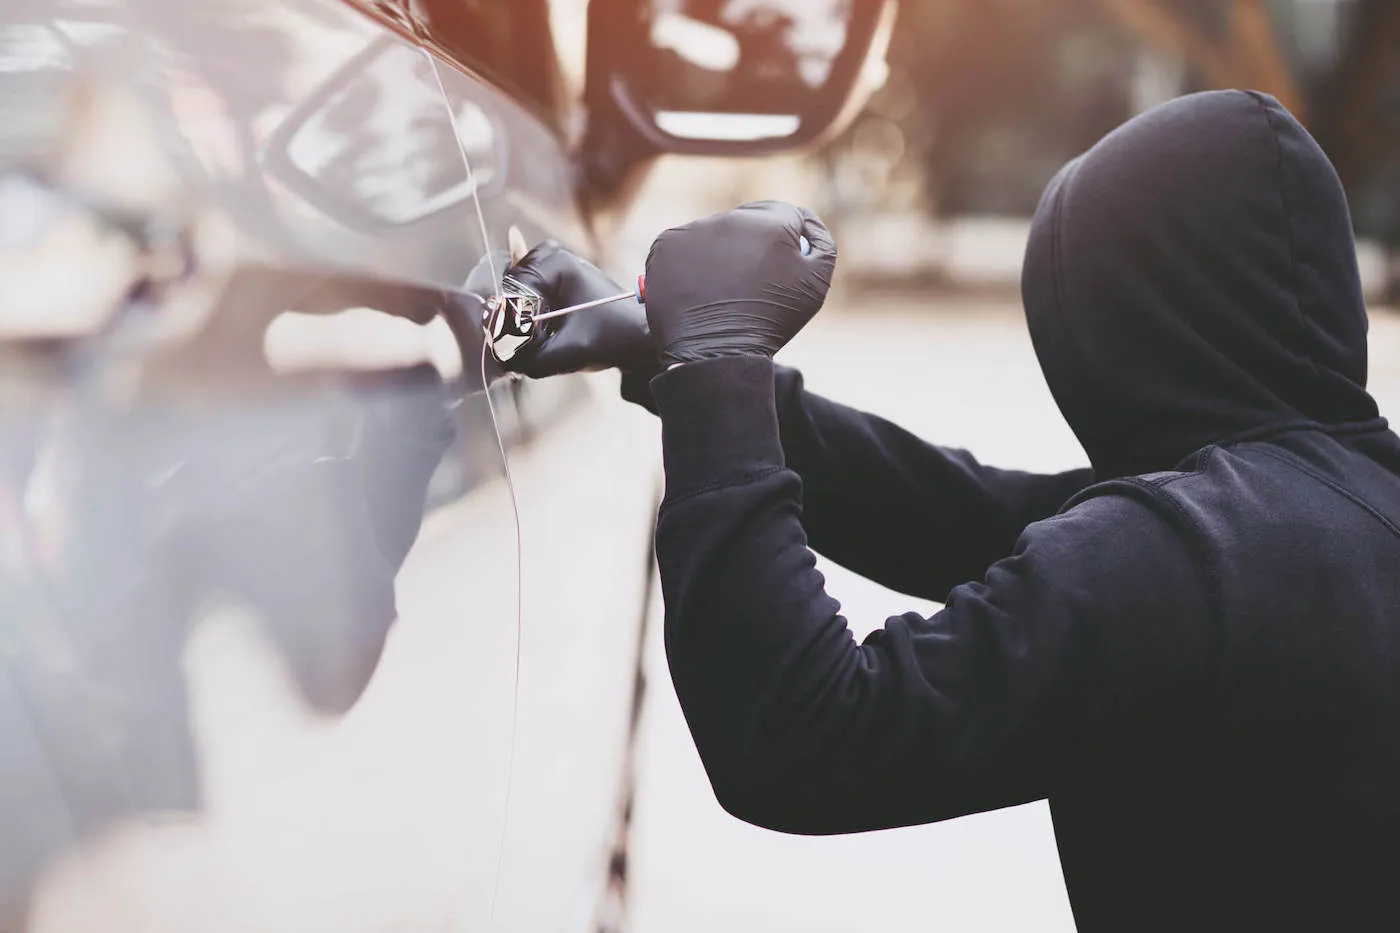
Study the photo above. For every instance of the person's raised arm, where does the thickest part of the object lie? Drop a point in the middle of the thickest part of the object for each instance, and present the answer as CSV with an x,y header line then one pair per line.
x,y
910,515
914,516
1094,627
1070,647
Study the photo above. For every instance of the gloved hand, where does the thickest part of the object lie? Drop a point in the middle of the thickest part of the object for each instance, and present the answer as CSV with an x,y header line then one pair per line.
x,y
610,336
737,284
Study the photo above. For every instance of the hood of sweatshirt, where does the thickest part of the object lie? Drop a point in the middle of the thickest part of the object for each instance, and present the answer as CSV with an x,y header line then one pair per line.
x,y
1192,278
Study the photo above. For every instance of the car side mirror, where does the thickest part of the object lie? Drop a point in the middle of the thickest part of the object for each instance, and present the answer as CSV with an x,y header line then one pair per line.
x,y
736,77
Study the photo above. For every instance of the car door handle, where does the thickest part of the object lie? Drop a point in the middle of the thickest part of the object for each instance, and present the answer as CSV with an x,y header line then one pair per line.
x,y
265,321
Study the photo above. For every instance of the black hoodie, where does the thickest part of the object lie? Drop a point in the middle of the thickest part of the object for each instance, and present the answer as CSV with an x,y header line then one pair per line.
x,y
1193,652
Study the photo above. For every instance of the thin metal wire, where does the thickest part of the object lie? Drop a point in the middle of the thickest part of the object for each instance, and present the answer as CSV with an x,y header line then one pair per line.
x,y
583,307
510,487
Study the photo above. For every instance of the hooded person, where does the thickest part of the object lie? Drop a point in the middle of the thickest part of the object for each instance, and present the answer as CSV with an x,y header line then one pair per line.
x,y
1191,650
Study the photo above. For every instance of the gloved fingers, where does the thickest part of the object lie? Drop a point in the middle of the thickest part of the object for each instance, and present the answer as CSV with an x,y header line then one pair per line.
x,y
823,243
561,276
541,362
800,222
540,252
770,205
542,269
737,283
789,216
533,362
611,337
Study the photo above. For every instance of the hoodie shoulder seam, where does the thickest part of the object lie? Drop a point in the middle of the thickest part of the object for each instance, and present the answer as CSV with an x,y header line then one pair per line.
x,y
1152,494
1291,461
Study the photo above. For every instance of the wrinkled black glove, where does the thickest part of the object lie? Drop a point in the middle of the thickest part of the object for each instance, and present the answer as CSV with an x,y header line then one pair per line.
x,y
610,336
737,283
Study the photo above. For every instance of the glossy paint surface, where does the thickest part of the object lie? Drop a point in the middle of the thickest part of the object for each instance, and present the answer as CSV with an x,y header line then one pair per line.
x,y
257,554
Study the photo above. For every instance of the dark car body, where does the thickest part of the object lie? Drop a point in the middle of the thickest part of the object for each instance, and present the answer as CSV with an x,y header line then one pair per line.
x,y
279,539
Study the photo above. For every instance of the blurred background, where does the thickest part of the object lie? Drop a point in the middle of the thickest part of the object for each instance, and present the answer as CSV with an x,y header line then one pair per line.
x,y
930,192
933,185
306,794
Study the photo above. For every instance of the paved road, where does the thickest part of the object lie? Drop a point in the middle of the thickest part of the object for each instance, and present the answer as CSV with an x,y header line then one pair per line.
x,y
964,375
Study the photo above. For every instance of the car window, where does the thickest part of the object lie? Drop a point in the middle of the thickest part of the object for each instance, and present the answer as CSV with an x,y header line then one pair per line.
x,y
378,139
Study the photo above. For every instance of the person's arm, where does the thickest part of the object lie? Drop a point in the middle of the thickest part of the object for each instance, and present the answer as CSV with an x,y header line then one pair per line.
x,y
1097,622
878,500
913,516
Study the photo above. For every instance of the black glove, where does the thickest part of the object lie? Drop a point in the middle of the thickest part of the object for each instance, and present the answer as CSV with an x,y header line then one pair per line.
x,y
610,336
737,283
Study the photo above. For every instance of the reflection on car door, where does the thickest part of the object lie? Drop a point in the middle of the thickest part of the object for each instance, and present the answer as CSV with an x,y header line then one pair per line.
x,y
408,793
194,483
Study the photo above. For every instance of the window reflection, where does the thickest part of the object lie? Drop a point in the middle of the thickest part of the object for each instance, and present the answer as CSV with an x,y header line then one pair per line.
x,y
382,142
127,526
714,53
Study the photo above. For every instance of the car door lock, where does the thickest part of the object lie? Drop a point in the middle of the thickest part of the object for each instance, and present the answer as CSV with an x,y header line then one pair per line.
x,y
509,319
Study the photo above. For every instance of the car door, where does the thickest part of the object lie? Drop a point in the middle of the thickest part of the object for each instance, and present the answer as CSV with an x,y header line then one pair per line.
x,y
297,404
587,485
584,474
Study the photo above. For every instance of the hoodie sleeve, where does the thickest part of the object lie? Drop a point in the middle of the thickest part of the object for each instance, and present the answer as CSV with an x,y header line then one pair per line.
x,y
876,499
1095,622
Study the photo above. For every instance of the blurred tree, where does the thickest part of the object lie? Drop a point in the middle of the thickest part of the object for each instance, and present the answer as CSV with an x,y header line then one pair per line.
x,y
1004,91
1351,101
1358,112
1231,44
